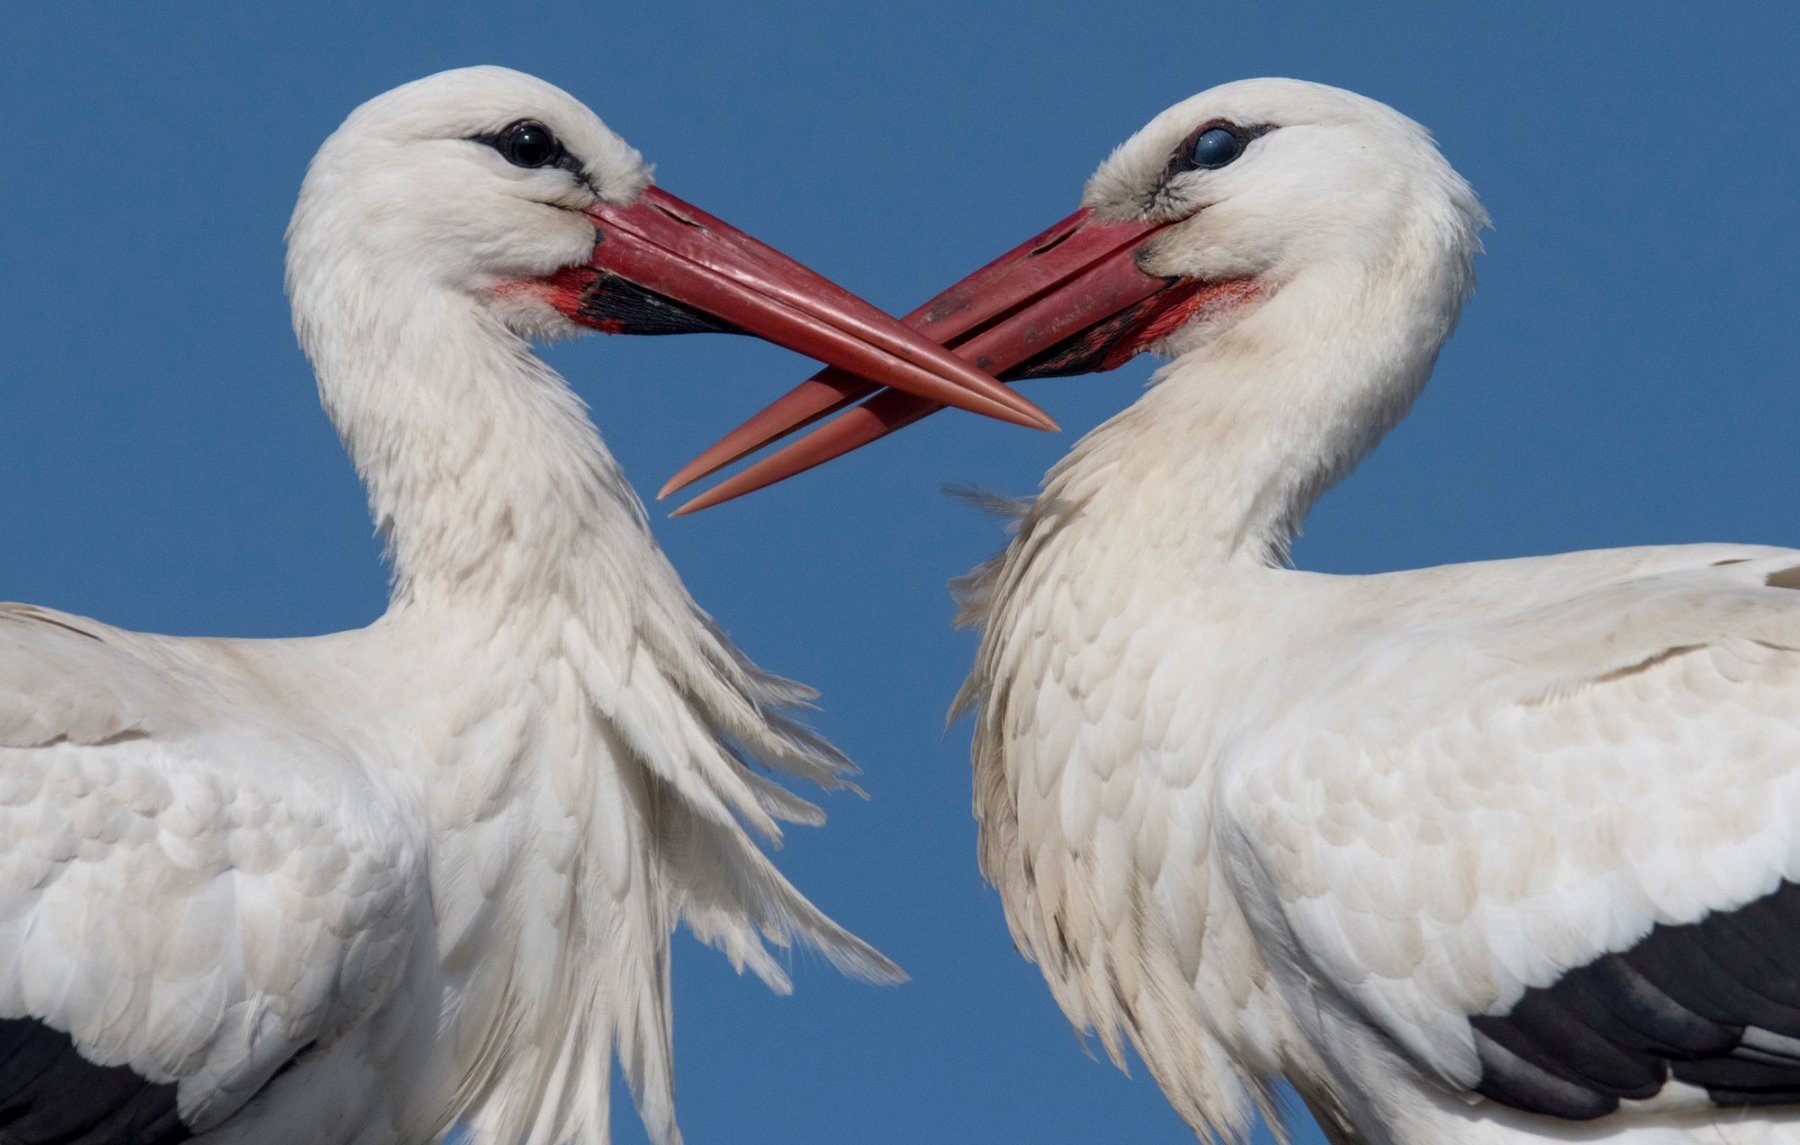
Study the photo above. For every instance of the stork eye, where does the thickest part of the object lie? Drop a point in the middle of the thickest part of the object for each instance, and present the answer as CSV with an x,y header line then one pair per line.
x,y
528,143
1215,147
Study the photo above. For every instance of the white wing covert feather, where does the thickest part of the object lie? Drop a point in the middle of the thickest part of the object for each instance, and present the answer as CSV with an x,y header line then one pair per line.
x,y
184,891
1451,824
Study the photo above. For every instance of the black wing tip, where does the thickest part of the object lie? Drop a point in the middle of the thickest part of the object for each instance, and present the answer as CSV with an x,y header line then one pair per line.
x,y
52,1095
1694,1003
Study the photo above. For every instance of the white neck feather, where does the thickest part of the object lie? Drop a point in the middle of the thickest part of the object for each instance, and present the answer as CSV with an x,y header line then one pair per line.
x,y
525,569
483,470
1239,435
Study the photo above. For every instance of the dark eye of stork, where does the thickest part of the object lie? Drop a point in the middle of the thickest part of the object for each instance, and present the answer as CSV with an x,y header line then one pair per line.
x,y
527,143
1215,147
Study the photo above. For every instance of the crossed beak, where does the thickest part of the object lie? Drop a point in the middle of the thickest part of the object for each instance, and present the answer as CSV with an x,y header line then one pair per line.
x,y
663,266
1072,300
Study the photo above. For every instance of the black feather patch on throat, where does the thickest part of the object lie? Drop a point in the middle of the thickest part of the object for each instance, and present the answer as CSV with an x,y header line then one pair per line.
x,y
619,306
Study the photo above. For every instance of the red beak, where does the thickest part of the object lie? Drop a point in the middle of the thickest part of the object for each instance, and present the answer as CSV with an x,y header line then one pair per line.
x,y
663,266
1073,300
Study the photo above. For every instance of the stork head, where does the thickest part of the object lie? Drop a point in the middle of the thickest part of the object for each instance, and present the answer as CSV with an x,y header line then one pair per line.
x,y
489,185
1260,181
1230,199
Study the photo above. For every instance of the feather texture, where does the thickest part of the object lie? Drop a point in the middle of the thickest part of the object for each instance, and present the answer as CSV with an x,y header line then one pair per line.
x,y
1487,853
359,887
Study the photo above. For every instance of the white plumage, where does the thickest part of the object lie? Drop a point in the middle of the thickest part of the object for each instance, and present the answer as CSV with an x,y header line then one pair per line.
x,y
426,870
1482,854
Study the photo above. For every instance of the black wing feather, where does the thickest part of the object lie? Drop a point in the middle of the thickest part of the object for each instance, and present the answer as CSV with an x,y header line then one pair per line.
x,y
51,1095
1715,1004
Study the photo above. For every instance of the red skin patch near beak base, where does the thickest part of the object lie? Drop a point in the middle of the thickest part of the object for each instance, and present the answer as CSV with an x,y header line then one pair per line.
x,y
1214,299
562,290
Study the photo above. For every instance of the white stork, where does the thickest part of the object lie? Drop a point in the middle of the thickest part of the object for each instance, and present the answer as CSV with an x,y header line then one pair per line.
x,y
1474,855
350,889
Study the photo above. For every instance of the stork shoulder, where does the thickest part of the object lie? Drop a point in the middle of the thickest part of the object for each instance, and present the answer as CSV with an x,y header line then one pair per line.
x,y
195,886
1503,775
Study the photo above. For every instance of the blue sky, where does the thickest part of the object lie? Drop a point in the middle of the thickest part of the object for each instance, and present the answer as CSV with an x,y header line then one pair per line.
x,y
1626,374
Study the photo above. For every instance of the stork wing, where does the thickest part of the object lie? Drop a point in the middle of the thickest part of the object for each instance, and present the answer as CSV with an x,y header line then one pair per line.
x,y
192,891
1553,851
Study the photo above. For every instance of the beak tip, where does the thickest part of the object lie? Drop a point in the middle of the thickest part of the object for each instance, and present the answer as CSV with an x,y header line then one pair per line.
x,y
685,476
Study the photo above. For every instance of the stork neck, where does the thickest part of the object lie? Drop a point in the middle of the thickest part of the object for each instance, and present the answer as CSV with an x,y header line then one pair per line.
x,y
484,473
1224,456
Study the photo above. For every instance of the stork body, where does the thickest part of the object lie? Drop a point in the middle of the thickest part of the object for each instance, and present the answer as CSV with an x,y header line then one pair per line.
x,y
1485,854
354,888
1325,843
424,869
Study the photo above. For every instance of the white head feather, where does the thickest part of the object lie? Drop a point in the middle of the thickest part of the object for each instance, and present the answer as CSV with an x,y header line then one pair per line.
x,y
1358,238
